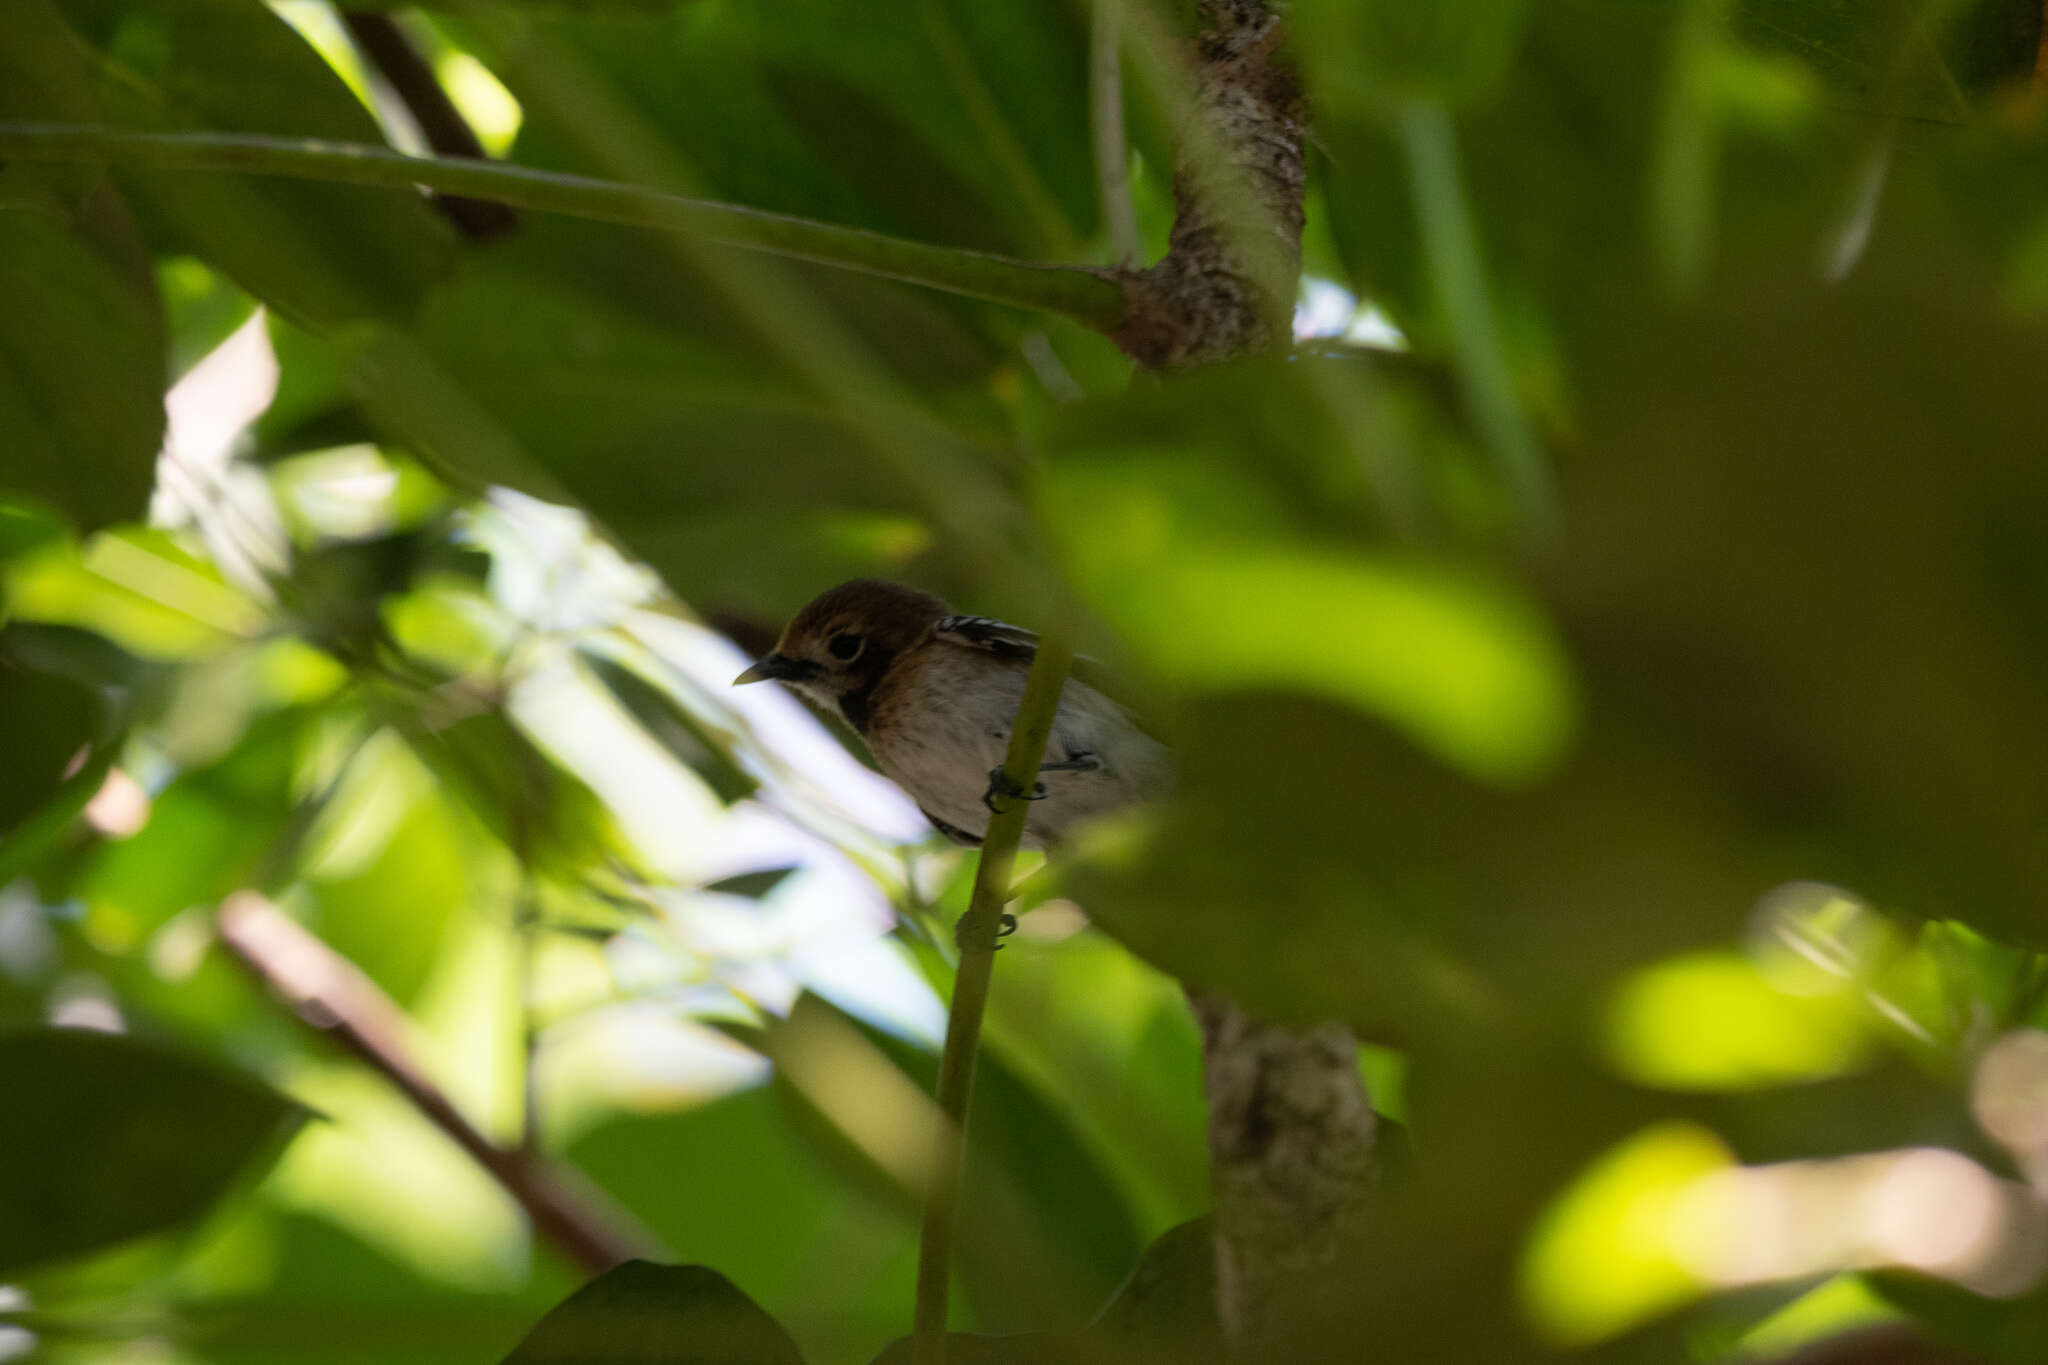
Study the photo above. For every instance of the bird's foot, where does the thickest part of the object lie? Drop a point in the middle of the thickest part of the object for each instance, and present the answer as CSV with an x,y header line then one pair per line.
x,y
963,933
999,784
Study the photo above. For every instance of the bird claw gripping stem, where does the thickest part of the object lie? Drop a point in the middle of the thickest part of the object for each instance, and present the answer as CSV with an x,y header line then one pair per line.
x,y
1000,784
963,932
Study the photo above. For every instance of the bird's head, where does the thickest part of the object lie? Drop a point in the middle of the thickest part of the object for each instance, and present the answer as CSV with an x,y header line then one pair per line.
x,y
847,638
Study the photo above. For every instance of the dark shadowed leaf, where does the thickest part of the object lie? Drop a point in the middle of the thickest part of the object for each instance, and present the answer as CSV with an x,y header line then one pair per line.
x,y
959,123
1164,1314
676,729
640,1313
751,884
81,338
2010,1331
64,697
81,373
769,1220
540,810
320,254
1048,1233
49,727
108,1138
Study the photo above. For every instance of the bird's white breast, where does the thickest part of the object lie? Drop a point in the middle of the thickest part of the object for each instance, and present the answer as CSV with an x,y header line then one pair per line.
x,y
941,727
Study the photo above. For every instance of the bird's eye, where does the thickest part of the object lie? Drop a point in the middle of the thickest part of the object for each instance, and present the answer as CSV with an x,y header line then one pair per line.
x,y
845,646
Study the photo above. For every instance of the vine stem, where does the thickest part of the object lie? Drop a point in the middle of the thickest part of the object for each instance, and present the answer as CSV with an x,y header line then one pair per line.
x,y
1084,293
977,934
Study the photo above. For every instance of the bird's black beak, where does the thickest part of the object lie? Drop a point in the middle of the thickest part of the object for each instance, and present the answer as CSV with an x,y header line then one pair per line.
x,y
780,667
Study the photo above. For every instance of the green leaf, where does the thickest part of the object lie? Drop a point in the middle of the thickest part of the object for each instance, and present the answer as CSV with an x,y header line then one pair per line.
x,y
1932,58
109,1138
144,589
770,1220
664,717
1164,1314
2011,1330
1393,51
544,813
319,254
640,1313
55,733
81,374
1223,575
389,865
210,832
752,885
1049,1230
948,122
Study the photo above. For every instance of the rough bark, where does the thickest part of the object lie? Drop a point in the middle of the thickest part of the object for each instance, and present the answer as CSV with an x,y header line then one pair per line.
x,y
1226,285
1291,1158
1290,1126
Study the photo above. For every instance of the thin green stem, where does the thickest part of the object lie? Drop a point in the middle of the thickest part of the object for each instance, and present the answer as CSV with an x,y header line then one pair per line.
x,y
1112,147
1091,296
1684,172
1452,247
977,934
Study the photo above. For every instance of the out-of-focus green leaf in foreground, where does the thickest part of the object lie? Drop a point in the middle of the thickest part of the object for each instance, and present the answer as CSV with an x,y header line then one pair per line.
x,y
1163,1314
81,374
645,1314
57,730
108,1138
319,254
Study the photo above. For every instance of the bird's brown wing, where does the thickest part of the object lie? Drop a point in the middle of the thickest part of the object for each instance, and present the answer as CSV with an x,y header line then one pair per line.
x,y
1006,641
999,638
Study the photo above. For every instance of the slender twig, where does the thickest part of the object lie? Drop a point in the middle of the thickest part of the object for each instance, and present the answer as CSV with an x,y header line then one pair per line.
x,y
977,934
332,995
384,44
1089,295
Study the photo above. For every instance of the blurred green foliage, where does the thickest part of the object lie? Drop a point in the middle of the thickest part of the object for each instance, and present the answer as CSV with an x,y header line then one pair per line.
x,y
1689,831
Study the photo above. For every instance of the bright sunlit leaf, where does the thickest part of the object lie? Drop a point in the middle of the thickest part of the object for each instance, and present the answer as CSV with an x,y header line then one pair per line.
x,y
1460,661
139,588
1602,1258
380,1170
1715,1021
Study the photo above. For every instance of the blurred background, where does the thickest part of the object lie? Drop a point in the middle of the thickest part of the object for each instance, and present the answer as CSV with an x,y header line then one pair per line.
x,y
1606,655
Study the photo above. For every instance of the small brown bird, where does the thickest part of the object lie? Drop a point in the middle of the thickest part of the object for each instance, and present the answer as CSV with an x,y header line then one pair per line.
x,y
934,694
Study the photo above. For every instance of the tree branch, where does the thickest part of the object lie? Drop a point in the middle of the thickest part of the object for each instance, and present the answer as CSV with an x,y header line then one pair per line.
x,y
333,996
1226,286
1088,295
1291,1130
1291,1137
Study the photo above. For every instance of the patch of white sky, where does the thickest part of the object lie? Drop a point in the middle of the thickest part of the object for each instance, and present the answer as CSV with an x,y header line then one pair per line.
x,y
1327,310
